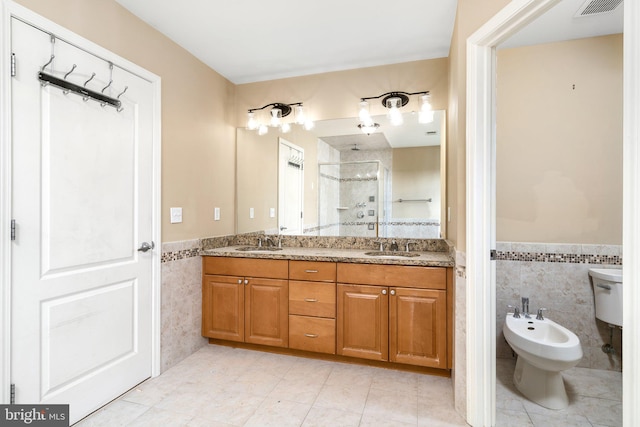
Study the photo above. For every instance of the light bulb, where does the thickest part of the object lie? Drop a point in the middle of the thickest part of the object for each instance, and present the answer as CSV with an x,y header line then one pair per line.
x,y
252,123
299,114
286,127
425,115
276,115
263,130
363,113
308,125
395,116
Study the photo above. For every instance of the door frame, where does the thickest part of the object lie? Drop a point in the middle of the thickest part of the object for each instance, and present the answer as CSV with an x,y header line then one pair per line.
x,y
8,10
480,200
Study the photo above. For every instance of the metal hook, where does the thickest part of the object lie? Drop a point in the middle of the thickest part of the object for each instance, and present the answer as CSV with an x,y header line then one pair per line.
x,y
50,61
104,88
90,78
122,93
119,110
70,71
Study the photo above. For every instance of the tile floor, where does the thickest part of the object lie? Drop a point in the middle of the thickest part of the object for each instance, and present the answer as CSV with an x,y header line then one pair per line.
x,y
221,386
595,400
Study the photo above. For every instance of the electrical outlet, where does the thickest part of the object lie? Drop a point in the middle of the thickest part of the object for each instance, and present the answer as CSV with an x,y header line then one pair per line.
x,y
216,214
272,212
176,215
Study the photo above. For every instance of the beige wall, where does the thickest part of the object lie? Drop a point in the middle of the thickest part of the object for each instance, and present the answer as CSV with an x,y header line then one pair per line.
x,y
198,132
559,142
416,175
470,16
336,95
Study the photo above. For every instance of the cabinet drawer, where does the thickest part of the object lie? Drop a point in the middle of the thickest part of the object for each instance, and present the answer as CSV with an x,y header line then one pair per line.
x,y
312,298
316,271
312,334
246,267
393,275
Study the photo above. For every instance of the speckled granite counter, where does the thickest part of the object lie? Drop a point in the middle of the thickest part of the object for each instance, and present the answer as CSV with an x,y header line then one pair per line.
x,y
429,258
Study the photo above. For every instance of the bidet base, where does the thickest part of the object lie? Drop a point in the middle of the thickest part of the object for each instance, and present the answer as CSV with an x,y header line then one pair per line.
x,y
546,388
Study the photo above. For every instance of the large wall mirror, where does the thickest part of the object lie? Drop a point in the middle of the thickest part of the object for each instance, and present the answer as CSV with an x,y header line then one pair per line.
x,y
336,180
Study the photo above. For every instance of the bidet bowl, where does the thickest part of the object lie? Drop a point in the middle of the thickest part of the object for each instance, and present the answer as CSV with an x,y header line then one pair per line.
x,y
543,343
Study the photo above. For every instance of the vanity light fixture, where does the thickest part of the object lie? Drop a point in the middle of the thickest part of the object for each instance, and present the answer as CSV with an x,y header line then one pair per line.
x,y
277,113
393,102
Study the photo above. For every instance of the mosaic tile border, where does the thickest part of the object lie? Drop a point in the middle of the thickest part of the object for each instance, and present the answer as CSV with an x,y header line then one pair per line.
x,y
558,257
361,179
178,255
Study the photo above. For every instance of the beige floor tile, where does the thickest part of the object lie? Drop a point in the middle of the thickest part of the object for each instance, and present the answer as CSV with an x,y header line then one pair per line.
x,y
324,417
278,413
155,417
343,397
392,405
507,418
439,416
118,413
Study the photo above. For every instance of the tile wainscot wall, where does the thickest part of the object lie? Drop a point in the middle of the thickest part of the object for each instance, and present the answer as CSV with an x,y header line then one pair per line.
x,y
556,277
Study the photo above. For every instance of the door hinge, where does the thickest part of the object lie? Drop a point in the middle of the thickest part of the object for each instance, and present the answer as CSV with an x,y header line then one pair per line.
x,y
493,255
12,394
13,64
13,229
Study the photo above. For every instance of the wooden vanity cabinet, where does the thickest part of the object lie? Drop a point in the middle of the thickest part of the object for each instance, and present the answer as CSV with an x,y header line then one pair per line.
x,y
312,306
395,313
245,300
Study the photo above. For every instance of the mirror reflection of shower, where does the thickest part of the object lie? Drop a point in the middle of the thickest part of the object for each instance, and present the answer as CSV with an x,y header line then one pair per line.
x,y
350,198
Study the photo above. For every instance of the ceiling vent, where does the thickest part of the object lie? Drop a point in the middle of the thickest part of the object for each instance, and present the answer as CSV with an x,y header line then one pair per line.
x,y
595,7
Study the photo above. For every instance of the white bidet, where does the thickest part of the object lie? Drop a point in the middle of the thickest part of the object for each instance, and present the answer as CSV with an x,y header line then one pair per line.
x,y
544,349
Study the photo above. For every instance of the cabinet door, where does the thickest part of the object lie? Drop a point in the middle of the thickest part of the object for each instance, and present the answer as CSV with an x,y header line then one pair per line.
x,y
418,327
223,307
362,321
267,312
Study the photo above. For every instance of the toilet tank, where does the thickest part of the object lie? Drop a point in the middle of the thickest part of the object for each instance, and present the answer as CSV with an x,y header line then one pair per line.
x,y
607,288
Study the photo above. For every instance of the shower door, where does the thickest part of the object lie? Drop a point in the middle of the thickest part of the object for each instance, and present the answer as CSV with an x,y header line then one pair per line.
x,y
290,188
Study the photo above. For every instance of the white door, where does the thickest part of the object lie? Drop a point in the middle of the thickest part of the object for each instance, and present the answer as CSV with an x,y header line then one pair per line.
x,y
82,202
290,188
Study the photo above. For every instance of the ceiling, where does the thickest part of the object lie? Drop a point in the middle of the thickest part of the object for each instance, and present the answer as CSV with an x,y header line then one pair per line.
x,y
256,40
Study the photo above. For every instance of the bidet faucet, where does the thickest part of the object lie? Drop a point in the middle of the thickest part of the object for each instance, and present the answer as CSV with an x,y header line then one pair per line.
x,y
516,311
525,307
539,316
268,241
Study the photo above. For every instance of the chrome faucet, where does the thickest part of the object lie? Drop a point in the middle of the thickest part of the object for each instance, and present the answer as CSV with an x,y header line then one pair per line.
x,y
406,246
268,241
539,316
259,242
381,243
525,307
394,246
516,311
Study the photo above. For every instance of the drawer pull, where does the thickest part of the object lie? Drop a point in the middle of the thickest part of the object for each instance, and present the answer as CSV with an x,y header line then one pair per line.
x,y
311,335
311,271
311,300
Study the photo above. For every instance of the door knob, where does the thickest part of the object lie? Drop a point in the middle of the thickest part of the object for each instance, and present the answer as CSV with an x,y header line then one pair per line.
x,y
144,247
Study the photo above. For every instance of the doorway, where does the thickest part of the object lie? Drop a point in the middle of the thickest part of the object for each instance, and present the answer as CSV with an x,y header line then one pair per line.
x,y
480,270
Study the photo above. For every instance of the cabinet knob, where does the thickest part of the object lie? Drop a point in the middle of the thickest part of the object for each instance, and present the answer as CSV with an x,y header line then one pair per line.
x,y
239,281
246,281
384,292
392,292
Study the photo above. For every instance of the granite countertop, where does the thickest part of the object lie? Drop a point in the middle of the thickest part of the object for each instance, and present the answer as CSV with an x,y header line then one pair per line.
x,y
429,259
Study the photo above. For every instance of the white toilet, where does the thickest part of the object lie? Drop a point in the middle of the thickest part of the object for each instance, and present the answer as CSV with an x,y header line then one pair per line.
x,y
544,349
607,289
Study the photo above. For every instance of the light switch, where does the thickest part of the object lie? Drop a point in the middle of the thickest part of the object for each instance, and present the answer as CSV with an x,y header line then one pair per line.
x,y
272,212
216,214
176,215
251,213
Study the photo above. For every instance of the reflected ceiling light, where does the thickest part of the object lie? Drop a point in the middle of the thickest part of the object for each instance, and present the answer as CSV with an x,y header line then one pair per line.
x,y
393,102
277,113
368,128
